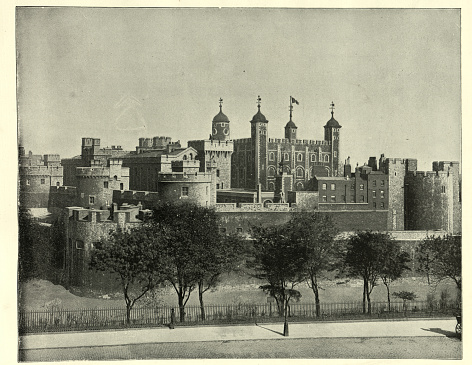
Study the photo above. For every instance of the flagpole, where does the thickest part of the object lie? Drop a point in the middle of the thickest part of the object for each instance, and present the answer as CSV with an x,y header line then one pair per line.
x,y
291,107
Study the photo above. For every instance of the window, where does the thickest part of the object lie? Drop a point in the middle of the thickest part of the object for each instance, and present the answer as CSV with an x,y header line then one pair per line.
x,y
374,205
96,245
43,181
333,199
374,182
121,186
217,173
79,245
323,186
222,185
313,158
325,199
300,172
362,198
271,156
184,191
91,200
58,183
271,171
105,184
353,186
335,154
286,157
326,158
382,194
299,157
374,194
361,186
27,182
382,182
239,230
382,204
333,186
443,189
184,158
217,186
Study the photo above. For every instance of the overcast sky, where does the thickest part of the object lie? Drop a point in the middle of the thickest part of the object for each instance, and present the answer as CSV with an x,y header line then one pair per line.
x,y
121,74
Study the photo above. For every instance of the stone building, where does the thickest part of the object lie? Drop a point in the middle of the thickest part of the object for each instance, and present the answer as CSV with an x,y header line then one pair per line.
x,y
37,174
256,159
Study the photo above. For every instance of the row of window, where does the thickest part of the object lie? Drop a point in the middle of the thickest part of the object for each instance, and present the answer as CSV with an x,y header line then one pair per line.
x,y
353,187
105,185
300,157
43,182
324,199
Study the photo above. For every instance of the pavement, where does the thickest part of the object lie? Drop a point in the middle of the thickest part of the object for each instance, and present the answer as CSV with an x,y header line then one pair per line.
x,y
272,331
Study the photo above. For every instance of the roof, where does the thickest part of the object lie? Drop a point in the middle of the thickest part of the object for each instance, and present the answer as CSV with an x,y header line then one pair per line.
x,y
221,117
259,117
290,124
333,123
330,178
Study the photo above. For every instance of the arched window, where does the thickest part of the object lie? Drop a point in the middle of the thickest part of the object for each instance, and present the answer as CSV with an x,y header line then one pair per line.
x,y
313,158
271,156
271,186
271,171
286,157
300,172
299,157
326,158
299,186
191,156
185,158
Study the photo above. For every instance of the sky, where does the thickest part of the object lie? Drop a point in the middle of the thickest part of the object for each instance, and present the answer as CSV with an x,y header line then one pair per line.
x,y
118,74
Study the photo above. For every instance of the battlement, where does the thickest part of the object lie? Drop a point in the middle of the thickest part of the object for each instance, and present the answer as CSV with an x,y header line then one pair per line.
x,y
253,207
242,140
303,142
212,145
40,170
135,195
99,171
445,165
129,214
427,174
182,176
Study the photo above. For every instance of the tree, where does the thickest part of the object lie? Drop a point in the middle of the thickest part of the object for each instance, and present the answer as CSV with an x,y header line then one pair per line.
x,y
316,232
223,256
35,249
364,258
195,252
281,262
394,264
441,257
135,255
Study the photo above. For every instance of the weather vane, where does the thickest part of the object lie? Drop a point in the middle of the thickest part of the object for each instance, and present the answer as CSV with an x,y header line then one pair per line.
x,y
259,101
332,108
221,103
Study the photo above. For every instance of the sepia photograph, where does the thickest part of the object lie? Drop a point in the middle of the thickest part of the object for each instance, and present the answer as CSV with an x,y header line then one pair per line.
x,y
234,182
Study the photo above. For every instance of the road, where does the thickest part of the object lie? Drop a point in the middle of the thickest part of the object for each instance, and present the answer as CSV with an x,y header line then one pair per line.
x,y
409,339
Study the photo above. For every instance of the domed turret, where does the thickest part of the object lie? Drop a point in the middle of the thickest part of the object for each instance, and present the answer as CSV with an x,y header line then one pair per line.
x,y
220,125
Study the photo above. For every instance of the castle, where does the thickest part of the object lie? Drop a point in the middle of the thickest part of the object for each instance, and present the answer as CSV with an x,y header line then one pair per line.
x,y
257,180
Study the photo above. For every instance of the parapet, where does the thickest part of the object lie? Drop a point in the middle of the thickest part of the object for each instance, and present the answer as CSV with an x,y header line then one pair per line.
x,y
202,177
128,215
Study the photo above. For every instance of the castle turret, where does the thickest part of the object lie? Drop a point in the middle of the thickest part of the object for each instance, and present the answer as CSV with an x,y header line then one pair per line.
x,y
221,130
332,129
259,140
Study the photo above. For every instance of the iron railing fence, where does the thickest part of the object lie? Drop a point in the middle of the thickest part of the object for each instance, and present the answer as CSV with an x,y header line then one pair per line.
x,y
59,319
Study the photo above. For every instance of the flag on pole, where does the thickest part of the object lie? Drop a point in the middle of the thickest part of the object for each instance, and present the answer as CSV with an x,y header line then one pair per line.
x,y
294,100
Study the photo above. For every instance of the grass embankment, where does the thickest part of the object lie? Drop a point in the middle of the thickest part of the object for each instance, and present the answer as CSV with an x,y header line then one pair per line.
x,y
233,289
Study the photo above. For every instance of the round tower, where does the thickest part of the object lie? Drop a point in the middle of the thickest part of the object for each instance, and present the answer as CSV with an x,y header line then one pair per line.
x,y
220,125
332,129
290,127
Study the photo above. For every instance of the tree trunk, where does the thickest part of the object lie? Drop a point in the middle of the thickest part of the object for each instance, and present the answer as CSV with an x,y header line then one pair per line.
x,y
128,313
285,318
363,297
314,286
388,296
181,306
200,297
369,308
